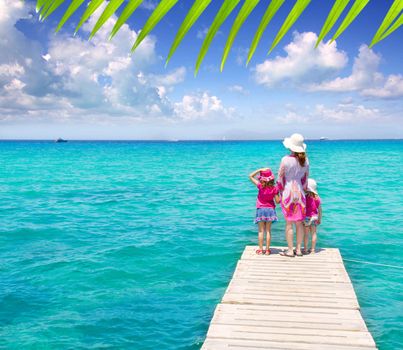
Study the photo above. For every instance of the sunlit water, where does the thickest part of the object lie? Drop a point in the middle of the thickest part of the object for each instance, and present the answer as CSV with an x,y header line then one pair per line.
x,y
131,245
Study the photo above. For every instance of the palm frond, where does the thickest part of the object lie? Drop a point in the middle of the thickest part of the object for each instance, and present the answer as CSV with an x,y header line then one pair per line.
x,y
108,12
160,11
267,17
91,8
75,4
334,15
127,12
355,10
395,25
243,14
391,22
192,16
51,8
225,10
296,11
393,12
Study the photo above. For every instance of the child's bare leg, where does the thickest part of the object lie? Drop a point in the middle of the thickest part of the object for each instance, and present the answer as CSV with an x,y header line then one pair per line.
x,y
314,238
306,239
268,236
261,233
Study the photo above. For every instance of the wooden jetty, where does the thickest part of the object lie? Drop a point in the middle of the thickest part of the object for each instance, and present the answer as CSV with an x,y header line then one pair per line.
x,y
276,302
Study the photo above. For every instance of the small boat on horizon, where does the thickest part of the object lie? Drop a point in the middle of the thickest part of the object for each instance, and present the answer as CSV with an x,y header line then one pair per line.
x,y
323,138
60,140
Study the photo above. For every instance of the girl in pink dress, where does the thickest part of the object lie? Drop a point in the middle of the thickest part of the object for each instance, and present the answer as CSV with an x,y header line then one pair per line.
x,y
265,206
292,183
313,216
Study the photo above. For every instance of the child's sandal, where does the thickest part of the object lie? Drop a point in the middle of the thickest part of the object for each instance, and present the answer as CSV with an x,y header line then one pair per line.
x,y
259,252
268,252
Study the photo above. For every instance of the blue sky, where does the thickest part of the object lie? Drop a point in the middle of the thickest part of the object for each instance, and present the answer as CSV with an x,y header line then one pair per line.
x,y
58,85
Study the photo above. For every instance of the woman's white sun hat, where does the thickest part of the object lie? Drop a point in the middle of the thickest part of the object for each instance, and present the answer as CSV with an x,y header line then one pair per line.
x,y
295,143
312,186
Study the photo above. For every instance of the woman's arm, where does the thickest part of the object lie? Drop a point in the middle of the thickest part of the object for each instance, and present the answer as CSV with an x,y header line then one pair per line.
x,y
304,180
253,174
277,198
281,177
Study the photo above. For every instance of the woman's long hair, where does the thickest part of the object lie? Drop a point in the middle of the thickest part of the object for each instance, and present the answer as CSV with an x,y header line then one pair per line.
x,y
301,158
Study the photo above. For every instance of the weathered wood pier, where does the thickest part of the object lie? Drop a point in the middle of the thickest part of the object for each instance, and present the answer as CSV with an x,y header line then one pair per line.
x,y
276,302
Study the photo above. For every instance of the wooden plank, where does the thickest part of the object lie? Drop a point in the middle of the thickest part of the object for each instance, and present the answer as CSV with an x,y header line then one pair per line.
x,y
290,301
330,314
331,337
275,302
281,290
242,344
285,320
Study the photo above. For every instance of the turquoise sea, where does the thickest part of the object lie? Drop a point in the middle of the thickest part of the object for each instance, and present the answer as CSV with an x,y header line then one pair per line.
x,y
130,245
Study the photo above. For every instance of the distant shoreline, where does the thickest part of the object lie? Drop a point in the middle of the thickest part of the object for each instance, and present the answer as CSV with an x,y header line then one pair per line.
x,y
196,140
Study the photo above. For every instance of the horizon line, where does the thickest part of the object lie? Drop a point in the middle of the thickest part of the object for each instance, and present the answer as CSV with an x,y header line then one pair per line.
x,y
200,140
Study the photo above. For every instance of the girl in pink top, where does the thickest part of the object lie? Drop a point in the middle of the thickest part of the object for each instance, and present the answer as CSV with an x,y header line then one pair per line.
x,y
313,216
265,206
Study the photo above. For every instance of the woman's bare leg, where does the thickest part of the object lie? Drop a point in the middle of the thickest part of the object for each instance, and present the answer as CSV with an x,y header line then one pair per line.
x,y
314,238
289,235
260,234
268,235
300,235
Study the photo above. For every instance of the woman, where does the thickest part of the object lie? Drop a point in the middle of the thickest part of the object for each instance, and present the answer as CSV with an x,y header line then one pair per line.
x,y
292,182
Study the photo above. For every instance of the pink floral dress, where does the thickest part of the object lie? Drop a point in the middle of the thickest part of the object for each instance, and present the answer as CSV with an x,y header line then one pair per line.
x,y
292,181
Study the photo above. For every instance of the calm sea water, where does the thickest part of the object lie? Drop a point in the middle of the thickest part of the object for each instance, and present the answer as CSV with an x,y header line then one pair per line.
x,y
131,245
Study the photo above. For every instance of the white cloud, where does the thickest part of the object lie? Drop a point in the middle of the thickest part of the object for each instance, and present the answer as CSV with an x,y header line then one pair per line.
x,y
76,77
15,84
392,87
202,106
95,81
238,89
346,113
365,78
201,34
149,4
173,78
341,113
11,70
303,63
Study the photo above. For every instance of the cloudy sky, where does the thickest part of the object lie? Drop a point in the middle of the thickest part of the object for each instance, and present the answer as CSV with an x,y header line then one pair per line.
x,y
60,85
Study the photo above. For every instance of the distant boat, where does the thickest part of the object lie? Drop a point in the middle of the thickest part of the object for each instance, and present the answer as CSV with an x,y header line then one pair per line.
x,y
60,140
323,138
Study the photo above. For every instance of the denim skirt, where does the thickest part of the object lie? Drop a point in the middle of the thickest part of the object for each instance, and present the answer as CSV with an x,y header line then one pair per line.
x,y
265,215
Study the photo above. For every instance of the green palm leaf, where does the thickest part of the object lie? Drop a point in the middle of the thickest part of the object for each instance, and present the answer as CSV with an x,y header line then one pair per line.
x,y
393,12
225,10
55,4
334,15
351,16
296,11
160,11
40,4
194,13
92,7
395,25
44,8
128,10
267,17
75,4
110,9
392,21
243,14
